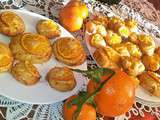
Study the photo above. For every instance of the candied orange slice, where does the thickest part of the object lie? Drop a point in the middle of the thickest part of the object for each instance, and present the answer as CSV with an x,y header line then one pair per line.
x,y
5,55
31,68
35,44
4,49
4,60
69,48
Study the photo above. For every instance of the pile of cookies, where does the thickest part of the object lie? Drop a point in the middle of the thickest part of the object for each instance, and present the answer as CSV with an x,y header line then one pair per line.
x,y
117,44
26,49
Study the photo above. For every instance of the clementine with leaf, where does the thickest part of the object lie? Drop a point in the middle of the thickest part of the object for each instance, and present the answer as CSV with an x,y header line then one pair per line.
x,y
87,112
117,95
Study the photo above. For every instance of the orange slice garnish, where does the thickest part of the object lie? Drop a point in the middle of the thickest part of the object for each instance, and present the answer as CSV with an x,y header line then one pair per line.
x,y
35,44
31,68
5,55
4,60
69,48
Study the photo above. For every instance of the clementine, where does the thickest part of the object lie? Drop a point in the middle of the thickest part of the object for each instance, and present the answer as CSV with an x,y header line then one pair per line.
x,y
117,95
87,112
71,21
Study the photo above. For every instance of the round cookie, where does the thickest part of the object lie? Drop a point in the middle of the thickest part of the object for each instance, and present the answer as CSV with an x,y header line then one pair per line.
x,y
48,28
11,24
25,72
69,51
31,47
61,78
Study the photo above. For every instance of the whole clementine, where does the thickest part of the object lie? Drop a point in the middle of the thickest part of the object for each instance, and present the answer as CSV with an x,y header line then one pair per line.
x,y
70,19
117,95
81,6
87,112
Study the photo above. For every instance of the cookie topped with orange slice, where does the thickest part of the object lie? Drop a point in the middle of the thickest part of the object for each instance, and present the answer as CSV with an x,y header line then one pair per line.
x,y
25,72
69,51
32,47
48,28
61,78
11,24
6,58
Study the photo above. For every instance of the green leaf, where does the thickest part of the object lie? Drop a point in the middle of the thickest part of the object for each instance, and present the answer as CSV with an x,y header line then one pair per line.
x,y
94,74
83,96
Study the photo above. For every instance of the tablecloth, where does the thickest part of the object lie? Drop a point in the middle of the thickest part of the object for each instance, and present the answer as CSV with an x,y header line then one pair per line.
x,y
14,110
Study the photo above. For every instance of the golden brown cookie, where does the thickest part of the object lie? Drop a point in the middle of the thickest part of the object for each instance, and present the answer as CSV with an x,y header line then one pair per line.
x,y
69,51
133,37
151,62
6,58
26,73
132,66
113,38
48,28
151,82
11,24
61,78
122,49
31,47
97,40
146,44
133,49
107,57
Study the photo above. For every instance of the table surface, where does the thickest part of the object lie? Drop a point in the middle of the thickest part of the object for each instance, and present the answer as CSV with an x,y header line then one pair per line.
x,y
141,6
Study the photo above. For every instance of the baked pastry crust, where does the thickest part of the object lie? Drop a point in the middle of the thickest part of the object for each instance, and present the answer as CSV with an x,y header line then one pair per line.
x,y
121,49
115,23
133,50
113,38
6,58
31,47
131,24
107,57
26,73
151,62
69,51
151,82
118,26
48,28
132,66
11,24
97,40
61,78
133,37
101,19
146,44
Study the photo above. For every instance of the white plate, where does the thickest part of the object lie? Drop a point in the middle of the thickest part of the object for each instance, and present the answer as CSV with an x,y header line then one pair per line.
x,y
41,93
140,92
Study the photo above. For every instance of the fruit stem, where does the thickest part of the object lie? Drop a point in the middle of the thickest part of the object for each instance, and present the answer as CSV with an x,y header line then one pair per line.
x,y
90,98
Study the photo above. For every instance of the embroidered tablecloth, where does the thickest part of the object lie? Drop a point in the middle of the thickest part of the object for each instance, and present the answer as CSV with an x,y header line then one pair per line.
x,y
14,110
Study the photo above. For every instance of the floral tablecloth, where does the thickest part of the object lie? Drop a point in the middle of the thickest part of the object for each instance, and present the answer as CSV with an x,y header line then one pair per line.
x,y
13,110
